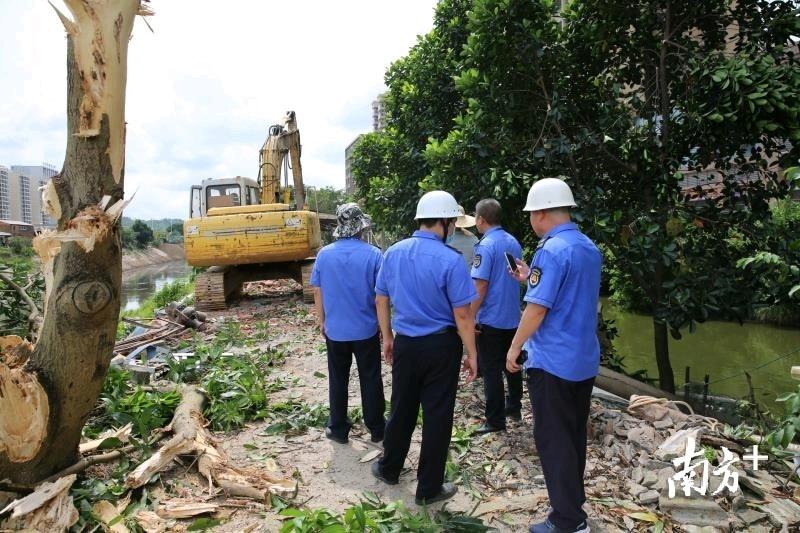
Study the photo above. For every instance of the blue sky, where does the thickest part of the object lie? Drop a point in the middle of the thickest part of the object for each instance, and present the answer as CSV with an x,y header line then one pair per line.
x,y
205,86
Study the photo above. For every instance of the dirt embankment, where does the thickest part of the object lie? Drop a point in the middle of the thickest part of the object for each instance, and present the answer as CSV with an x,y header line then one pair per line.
x,y
163,253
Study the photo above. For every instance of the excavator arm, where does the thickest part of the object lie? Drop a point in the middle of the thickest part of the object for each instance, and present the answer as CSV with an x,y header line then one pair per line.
x,y
283,140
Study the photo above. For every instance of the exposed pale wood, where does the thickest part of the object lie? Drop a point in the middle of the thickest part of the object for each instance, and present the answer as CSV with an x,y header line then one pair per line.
x,y
48,508
108,512
151,522
24,404
179,508
191,437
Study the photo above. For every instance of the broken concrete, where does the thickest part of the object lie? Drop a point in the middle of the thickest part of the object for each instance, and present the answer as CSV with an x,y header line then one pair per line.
x,y
693,511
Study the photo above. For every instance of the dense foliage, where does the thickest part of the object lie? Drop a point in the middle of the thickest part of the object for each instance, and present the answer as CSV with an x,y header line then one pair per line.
x,y
16,261
672,121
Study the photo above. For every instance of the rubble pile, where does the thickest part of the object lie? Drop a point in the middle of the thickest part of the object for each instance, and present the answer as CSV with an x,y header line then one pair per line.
x,y
633,455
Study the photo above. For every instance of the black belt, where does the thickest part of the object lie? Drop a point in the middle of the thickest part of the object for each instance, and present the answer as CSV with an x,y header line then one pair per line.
x,y
447,329
483,328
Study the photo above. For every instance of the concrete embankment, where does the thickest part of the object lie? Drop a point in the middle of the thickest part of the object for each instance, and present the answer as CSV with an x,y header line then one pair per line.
x,y
163,253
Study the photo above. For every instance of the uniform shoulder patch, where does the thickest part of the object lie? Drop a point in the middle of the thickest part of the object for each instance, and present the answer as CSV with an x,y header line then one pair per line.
x,y
535,277
476,261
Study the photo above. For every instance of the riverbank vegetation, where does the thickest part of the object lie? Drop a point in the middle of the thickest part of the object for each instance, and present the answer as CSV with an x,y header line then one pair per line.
x,y
676,147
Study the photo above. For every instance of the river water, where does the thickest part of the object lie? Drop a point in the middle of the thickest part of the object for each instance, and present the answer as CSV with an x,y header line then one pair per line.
x,y
721,349
141,283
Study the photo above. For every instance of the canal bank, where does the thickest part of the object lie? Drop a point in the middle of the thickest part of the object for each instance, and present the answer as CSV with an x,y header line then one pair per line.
x,y
139,284
723,350
163,253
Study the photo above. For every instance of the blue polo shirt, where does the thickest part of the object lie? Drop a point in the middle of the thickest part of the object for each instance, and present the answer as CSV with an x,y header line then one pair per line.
x,y
565,278
345,271
500,307
424,280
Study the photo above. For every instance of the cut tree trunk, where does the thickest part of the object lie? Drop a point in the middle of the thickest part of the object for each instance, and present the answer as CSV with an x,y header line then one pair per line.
x,y
191,438
54,391
666,378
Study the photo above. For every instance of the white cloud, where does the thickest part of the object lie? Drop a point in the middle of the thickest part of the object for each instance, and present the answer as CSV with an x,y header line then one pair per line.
x,y
204,88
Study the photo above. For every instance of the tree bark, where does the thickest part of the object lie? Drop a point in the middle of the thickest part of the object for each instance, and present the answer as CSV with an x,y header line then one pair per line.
x,y
82,259
666,379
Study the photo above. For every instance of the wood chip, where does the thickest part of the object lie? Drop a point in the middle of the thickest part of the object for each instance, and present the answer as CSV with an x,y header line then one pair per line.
x,y
369,456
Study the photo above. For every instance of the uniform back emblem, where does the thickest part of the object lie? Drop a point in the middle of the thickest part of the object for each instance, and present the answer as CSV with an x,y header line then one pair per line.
x,y
476,261
536,275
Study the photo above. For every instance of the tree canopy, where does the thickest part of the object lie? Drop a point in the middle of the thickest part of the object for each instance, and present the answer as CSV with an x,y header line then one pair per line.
x,y
672,120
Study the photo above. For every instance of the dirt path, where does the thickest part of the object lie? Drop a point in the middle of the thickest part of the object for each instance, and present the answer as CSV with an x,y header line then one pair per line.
x,y
499,479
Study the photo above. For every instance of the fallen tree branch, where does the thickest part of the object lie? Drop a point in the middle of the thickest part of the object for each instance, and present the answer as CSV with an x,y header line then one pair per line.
x,y
86,462
191,438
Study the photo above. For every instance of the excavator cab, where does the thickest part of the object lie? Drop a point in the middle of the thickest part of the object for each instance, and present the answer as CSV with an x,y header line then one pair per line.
x,y
223,192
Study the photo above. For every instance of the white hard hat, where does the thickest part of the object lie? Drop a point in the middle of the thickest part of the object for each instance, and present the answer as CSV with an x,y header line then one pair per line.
x,y
437,204
548,193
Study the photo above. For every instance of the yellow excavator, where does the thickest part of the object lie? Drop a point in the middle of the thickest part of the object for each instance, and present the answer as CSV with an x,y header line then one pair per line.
x,y
247,230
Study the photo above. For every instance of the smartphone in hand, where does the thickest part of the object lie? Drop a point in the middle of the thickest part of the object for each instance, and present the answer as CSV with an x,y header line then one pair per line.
x,y
512,263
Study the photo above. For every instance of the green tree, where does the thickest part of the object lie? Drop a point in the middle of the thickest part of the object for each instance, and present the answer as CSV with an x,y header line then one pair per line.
x,y
142,233
634,101
422,102
327,199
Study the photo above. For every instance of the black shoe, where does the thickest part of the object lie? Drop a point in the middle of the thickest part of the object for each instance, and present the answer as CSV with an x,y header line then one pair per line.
x,y
548,527
378,473
376,438
334,437
488,428
514,414
448,491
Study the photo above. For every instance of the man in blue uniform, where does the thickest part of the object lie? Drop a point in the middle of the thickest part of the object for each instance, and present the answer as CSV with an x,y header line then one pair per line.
x,y
559,332
344,291
428,285
497,315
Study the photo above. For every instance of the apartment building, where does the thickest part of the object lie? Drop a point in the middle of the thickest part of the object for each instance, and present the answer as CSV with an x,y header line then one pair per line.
x,y
20,198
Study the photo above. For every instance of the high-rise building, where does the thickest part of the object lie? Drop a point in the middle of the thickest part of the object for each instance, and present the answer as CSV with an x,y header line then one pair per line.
x,y
349,181
5,194
379,113
22,196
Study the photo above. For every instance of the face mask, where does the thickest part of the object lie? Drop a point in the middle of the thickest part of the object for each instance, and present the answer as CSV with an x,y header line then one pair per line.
x,y
448,238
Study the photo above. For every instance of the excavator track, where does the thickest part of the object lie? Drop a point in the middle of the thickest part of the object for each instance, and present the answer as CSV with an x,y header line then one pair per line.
x,y
308,289
213,287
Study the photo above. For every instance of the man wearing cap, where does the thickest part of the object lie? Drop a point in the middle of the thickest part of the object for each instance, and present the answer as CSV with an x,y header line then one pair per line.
x,y
463,240
497,312
344,292
558,332
429,288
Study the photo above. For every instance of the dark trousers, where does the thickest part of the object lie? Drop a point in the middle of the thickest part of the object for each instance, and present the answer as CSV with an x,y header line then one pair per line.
x,y
368,361
560,412
424,371
493,346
